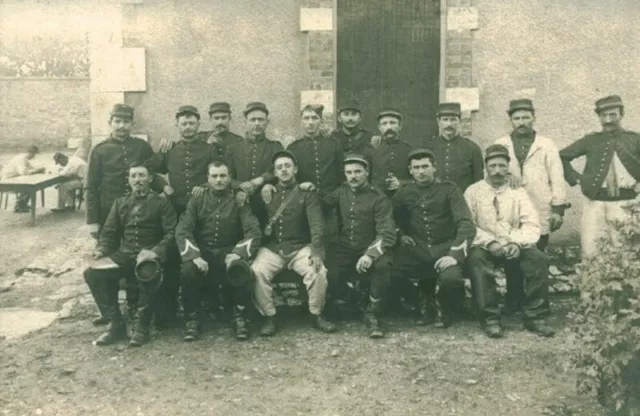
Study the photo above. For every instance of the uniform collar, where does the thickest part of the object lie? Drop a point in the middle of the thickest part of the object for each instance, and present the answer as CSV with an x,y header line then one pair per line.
x,y
289,187
456,137
221,193
351,133
139,196
119,141
253,139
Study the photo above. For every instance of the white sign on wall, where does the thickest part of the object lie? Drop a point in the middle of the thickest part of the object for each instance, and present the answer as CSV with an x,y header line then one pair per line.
x,y
469,98
462,18
316,19
324,97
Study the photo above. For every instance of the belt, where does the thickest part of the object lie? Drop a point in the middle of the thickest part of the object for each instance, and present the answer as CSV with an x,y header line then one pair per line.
x,y
626,194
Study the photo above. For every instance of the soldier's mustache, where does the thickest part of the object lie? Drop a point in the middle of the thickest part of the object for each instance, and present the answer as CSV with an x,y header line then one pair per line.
x,y
389,131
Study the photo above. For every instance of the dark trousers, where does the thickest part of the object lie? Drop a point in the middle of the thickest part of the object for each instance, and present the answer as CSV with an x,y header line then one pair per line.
x,y
22,201
408,266
104,286
532,264
165,304
341,266
194,282
515,281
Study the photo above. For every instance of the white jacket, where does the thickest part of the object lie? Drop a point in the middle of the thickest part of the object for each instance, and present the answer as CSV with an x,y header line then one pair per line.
x,y
542,176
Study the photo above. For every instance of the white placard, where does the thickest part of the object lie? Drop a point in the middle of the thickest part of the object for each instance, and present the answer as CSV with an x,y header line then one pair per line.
x,y
324,97
316,19
118,70
462,18
469,98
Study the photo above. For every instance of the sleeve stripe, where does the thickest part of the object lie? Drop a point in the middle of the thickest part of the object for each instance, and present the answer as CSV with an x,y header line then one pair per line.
x,y
188,245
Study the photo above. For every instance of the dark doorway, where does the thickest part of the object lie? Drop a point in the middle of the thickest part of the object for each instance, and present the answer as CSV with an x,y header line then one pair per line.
x,y
389,55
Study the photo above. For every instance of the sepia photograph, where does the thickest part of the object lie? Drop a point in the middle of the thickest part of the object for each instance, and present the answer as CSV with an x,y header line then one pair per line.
x,y
320,207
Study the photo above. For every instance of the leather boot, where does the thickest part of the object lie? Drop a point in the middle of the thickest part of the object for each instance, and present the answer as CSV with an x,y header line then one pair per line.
x,y
269,326
445,318
240,323
539,327
427,311
191,330
142,327
116,331
372,318
493,329
101,320
321,323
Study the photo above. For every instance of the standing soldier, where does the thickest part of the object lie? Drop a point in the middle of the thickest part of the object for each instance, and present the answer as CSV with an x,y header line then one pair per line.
x,y
459,159
220,117
539,171
435,230
389,159
507,233
366,235
250,161
139,228
293,240
350,134
107,176
611,176
214,233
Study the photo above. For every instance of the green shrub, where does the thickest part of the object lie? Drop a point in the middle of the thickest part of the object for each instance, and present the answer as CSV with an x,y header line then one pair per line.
x,y
606,324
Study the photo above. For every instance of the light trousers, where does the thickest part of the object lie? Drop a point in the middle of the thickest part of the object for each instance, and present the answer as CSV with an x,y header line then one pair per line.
x,y
596,222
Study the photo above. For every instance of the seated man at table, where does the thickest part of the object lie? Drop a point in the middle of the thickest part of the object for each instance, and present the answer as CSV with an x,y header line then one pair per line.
x,y
20,165
74,168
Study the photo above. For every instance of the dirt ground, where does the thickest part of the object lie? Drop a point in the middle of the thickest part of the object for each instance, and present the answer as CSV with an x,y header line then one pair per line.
x,y
55,370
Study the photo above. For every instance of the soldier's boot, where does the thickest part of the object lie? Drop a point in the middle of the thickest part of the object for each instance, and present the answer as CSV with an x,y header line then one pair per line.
x,y
323,324
192,327
269,326
372,319
240,323
427,311
99,321
142,327
116,331
445,318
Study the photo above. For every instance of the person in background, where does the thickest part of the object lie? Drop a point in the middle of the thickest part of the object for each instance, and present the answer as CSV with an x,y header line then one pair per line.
x,y
71,167
350,134
220,118
20,165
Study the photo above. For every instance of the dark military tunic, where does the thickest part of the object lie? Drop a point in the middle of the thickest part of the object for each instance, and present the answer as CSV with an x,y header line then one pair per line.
x,y
251,158
215,221
437,217
108,173
187,165
598,148
225,139
300,223
459,160
319,161
137,223
357,141
365,218
389,157
521,146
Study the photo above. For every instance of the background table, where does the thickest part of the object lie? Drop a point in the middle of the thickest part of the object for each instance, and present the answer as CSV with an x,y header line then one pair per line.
x,y
31,184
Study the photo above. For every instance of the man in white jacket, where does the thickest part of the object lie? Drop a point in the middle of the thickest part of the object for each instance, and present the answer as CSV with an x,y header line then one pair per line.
x,y
536,166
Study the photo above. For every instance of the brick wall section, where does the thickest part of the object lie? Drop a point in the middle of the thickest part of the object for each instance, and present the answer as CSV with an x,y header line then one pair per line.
x,y
45,112
320,56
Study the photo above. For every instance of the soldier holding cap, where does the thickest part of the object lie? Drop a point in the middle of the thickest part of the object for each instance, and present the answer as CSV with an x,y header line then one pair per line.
x,y
365,237
293,240
536,165
435,229
214,232
507,232
459,159
350,134
140,227
250,161
389,160
611,176
220,117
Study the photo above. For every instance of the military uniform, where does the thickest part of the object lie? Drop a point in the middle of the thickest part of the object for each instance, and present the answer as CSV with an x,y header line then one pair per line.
x,y
225,139
356,141
213,226
319,161
391,157
135,223
459,160
437,218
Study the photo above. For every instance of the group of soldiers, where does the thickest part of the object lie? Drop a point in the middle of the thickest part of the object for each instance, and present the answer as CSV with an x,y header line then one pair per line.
x,y
339,209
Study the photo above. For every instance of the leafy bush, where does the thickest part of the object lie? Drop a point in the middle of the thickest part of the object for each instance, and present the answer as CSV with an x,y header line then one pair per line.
x,y
606,324
46,57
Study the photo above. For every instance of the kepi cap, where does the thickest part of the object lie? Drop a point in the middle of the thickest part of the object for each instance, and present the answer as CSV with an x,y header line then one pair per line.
x,y
520,104
606,103
388,111
187,109
284,153
350,105
239,273
449,109
219,107
496,150
255,105
422,152
122,111
356,158
149,274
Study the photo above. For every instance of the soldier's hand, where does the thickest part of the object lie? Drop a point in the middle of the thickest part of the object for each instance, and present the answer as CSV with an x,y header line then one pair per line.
x,y
407,241
165,145
145,255
307,186
167,190
375,141
511,251
247,187
198,191
513,181
267,193
392,183
496,249
96,254
444,263
364,263
241,197
555,221
201,264
636,188
229,258
315,261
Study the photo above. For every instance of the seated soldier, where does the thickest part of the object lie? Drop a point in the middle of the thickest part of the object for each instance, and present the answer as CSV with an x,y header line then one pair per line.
x,y
140,227
214,233
507,232
293,240
20,165
366,233
74,168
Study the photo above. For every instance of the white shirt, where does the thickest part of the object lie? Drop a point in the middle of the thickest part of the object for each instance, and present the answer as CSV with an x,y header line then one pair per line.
x,y
504,215
19,165
76,167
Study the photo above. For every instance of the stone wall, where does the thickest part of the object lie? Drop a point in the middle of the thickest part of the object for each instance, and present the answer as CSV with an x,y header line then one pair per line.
x,y
45,112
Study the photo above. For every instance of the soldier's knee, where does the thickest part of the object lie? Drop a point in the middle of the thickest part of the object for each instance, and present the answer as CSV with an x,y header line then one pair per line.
x,y
89,275
451,278
188,271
